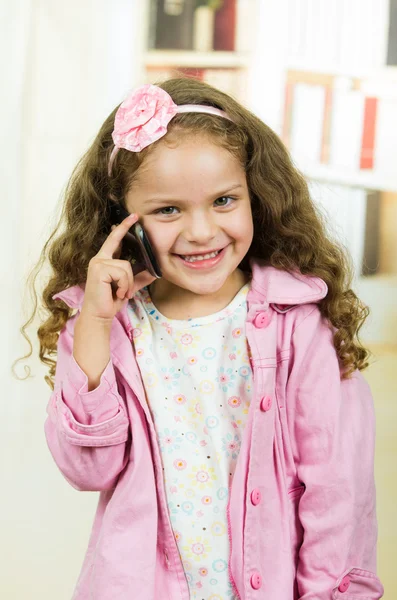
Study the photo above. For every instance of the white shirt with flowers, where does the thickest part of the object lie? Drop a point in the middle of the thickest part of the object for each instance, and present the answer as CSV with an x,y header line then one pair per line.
x,y
198,383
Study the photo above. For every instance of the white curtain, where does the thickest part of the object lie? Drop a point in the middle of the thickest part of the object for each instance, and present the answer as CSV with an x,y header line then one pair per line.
x,y
65,66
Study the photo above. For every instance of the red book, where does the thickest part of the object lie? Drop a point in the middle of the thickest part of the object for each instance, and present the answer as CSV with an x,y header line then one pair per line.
x,y
369,128
225,26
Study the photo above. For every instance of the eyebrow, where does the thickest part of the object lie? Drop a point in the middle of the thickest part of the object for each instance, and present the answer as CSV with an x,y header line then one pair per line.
x,y
234,186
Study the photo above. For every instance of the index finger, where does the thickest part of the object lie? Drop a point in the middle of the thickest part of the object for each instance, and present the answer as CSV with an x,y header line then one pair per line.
x,y
114,239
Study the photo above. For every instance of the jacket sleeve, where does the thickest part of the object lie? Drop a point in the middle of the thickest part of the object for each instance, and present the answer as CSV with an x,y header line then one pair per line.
x,y
87,431
332,430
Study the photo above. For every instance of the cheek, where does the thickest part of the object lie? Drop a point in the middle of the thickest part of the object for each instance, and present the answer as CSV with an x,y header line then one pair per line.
x,y
160,237
243,227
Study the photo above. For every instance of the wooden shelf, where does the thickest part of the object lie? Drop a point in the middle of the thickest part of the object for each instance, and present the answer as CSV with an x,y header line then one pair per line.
x,y
184,58
362,179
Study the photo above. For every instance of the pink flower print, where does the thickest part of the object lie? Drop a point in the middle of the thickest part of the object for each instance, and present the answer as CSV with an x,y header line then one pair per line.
x,y
205,430
206,500
203,443
225,378
203,571
231,445
199,585
234,424
180,464
197,548
186,339
177,418
180,399
173,489
202,476
197,408
232,356
237,332
192,360
170,376
199,513
173,355
169,440
136,332
234,401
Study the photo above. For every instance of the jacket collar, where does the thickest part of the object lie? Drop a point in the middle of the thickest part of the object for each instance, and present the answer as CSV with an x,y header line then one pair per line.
x,y
269,286
282,289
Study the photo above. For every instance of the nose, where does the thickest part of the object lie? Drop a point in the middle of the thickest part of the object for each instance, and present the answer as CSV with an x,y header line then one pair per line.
x,y
200,227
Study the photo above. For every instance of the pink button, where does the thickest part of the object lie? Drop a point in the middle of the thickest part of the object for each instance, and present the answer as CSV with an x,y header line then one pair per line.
x,y
256,580
266,403
262,319
344,584
255,496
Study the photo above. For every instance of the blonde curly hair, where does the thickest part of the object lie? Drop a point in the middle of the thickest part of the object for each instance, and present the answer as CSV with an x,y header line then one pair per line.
x,y
289,230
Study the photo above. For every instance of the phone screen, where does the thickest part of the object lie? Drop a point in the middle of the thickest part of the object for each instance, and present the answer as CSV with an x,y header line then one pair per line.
x,y
137,241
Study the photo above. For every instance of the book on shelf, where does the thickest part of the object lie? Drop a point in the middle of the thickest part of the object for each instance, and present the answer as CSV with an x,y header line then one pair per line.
x,y
171,24
392,34
369,131
199,25
372,235
336,123
225,26
307,122
385,147
346,125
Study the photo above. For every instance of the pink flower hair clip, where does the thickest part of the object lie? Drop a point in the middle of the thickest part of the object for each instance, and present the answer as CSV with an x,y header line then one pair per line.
x,y
143,118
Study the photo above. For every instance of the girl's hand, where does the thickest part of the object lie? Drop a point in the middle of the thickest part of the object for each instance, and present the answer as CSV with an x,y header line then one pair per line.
x,y
110,282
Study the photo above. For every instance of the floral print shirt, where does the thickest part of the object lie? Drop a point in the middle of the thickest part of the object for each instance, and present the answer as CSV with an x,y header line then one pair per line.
x,y
198,382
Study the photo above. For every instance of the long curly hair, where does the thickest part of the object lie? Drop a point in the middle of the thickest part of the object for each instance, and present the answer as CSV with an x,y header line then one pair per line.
x,y
289,229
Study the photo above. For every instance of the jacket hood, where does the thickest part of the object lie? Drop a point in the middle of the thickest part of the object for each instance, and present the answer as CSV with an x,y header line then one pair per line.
x,y
269,286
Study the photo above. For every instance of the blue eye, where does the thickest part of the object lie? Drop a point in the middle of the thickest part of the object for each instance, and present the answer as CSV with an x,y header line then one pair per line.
x,y
160,210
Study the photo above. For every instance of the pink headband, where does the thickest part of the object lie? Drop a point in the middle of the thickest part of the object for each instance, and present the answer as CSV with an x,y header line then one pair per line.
x,y
143,118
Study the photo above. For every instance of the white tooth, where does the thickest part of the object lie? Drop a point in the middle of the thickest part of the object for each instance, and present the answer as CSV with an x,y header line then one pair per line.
x,y
200,257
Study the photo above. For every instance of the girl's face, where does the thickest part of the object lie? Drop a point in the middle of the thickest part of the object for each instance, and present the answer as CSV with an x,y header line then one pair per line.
x,y
193,199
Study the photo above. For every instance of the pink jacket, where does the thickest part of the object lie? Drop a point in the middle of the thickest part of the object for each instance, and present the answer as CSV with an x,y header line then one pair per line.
x,y
301,511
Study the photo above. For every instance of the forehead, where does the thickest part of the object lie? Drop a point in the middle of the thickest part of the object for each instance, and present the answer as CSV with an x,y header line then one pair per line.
x,y
199,162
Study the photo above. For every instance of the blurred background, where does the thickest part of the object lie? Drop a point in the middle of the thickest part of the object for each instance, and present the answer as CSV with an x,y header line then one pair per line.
x,y
321,73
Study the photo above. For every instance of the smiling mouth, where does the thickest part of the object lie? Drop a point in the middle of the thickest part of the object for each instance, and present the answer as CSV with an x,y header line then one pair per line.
x,y
212,260
201,255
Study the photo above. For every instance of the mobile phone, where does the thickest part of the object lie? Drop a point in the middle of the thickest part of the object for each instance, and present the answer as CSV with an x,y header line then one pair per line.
x,y
137,241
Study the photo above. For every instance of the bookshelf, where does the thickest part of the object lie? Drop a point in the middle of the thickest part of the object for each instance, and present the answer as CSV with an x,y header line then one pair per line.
x,y
211,40
337,57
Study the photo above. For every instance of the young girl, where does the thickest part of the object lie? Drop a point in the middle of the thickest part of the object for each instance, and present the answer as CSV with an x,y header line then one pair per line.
x,y
219,409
